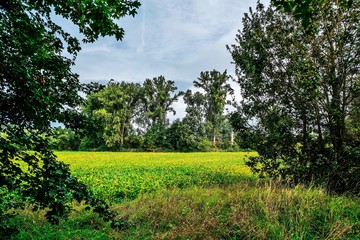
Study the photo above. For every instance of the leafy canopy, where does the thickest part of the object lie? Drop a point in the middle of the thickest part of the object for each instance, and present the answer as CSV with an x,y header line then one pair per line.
x,y
216,87
37,86
307,10
116,107
159,95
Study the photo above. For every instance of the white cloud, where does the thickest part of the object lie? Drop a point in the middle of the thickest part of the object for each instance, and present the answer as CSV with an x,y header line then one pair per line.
x,y
174,38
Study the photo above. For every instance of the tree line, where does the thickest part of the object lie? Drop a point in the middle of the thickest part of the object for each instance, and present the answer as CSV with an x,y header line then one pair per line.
x,y
124,116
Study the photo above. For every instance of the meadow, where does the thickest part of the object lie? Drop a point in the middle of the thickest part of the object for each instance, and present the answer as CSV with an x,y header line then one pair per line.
x,y
193,196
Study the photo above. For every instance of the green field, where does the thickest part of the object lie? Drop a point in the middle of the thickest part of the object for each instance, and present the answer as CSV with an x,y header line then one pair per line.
x,y
119,176
193,196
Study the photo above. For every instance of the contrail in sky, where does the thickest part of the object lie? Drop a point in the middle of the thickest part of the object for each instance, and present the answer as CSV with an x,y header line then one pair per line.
x,y
141,48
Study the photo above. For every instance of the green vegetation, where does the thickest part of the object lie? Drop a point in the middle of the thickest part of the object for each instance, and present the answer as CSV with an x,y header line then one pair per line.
x,y
298,70
216,88
37,87
126,116
308,11
193,196
119,176
301,93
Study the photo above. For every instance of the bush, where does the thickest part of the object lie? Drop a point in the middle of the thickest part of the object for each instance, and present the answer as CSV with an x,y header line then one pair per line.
x,y
204,146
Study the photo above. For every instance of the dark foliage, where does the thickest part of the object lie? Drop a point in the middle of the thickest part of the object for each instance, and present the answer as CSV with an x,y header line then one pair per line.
x,y
301,92
37,87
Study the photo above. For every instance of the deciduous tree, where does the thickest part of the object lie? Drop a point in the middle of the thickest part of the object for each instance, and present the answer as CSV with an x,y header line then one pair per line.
x,y
195,113
37,86
116,106
159,96
216,88
300,88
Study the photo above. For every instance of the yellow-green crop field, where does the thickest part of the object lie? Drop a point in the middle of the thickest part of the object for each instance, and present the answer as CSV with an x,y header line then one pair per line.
x,y
125,175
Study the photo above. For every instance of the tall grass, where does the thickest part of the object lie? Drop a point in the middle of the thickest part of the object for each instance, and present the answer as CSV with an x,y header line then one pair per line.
x,y
248,210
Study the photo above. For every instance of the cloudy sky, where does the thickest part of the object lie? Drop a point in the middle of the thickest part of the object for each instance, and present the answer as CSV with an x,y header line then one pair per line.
x,y
174,38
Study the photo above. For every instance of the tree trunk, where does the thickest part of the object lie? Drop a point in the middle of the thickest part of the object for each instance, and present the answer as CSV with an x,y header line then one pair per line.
x,y
122,130
337,128
214,137
232,138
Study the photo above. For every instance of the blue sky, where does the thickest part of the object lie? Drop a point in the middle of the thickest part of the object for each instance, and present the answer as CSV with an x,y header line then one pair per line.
x,y
174,38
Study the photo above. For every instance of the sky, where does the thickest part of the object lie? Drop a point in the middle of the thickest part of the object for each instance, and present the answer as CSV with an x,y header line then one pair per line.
x,y
174,38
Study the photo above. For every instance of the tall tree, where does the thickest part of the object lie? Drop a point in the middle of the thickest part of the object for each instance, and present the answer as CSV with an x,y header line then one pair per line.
x,y
300,88
217,88
116,106
37,86
195,113
159,96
